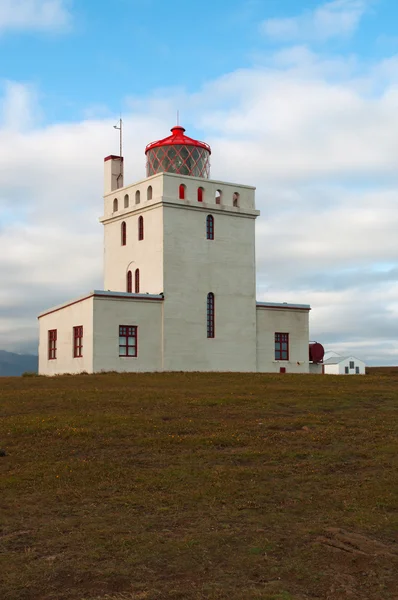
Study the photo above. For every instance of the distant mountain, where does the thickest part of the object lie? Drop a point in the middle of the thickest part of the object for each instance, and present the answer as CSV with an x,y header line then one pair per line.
x,y
12,364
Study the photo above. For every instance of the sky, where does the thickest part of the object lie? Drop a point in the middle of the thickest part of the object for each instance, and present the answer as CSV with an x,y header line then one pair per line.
x,y
296,97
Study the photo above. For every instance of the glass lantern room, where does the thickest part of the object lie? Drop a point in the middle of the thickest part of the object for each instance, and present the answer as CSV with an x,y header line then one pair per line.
x,y
178,154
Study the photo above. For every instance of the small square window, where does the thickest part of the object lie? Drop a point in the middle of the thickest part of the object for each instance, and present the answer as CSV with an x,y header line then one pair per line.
x,y
128,341
281,346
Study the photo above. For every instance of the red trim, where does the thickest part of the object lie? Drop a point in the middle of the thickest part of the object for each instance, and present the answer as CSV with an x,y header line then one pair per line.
x,y
129,282
113,157
280,352
52,344
200,194
128,332
178,137
78,341
137,281
181,191
140,228
50,312
282,370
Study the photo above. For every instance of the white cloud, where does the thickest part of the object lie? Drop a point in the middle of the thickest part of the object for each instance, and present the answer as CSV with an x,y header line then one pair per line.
x,y
42,15
317,137
339,18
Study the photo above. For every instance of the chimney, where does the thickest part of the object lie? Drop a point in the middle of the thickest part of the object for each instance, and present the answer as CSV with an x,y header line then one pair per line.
x,y
113,173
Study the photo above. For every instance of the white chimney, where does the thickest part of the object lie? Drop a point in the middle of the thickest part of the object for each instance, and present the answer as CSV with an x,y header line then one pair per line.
x,y
113,173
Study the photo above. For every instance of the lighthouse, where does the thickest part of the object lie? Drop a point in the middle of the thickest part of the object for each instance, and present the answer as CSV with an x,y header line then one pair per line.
x,y
179,279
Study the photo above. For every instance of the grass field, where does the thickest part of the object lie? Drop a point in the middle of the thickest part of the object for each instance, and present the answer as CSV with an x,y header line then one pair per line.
x,y
199,486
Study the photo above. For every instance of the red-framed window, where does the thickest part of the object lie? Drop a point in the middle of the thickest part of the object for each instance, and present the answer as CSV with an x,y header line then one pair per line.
x,y
78,341
52,344
210,316
137,281
181,191
140,228
128,346
129,285
123,233
201,193
281,346
210,227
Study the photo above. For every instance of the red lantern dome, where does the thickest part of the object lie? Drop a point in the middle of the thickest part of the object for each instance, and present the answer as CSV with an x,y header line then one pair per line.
x,y
180,154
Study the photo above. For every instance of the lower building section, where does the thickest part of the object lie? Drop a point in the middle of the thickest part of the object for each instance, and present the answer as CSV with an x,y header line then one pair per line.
x,y
123,332
282,338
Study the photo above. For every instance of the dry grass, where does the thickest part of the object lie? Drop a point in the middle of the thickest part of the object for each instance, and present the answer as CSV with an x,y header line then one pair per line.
x,y
194,486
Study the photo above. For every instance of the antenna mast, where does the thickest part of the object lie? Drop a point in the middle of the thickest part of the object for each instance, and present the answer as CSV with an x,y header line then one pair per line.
x,y
119,126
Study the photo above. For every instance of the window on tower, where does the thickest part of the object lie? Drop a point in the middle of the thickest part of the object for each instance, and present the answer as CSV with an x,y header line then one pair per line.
x,y
137,281
52,344
137,197
210,227
78,341
181,191
123,233
115,205
129,282
218,196
281,346
128,340
149,193
210,316
235,199
140,228
201,194
126,201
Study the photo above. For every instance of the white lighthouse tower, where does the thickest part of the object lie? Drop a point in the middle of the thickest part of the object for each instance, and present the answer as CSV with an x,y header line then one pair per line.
x,y
179,279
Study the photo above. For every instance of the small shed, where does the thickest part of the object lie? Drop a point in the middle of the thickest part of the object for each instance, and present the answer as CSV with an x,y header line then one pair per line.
x,y
343,365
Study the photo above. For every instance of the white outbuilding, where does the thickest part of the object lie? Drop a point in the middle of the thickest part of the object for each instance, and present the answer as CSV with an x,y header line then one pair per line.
x,y
343,365
179,279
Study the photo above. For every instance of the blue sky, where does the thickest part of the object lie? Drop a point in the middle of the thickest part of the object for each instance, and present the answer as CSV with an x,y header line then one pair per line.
x,y
296,97
104,51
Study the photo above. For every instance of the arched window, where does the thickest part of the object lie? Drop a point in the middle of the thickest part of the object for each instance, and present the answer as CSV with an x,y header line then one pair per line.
x,y
140,228
210,315
218,196
126,201
201,193
124,233
149,193
129,282
115,205
137,197
235,199
181,191
210,227
137,281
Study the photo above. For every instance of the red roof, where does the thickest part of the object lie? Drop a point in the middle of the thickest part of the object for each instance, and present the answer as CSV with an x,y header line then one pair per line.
x,y
177,137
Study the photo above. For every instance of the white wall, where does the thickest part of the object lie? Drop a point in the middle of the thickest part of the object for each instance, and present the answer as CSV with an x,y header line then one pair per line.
x,y
282,320
109,313
194,267
63,320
